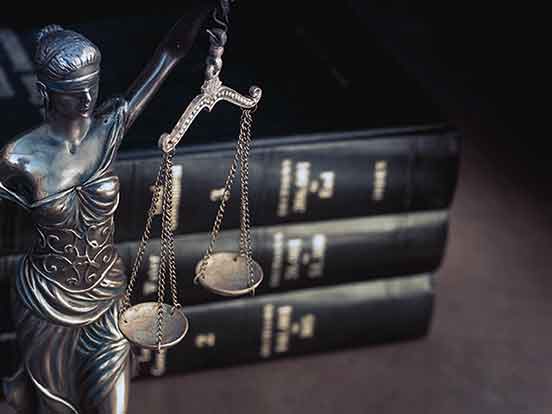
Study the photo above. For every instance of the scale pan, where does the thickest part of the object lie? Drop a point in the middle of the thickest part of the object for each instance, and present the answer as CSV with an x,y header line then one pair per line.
x,y
139,325
226,274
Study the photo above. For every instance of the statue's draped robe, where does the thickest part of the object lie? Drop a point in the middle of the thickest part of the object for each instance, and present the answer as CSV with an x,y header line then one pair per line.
x,y
68,287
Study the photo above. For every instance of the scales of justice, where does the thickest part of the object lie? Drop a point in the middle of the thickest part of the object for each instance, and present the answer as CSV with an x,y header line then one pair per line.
x,y
76,327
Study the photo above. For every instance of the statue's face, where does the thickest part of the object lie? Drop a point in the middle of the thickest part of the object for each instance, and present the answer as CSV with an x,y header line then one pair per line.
x,y
75,103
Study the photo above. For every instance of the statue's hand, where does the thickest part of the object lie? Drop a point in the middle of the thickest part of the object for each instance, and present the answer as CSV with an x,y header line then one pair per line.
x,y
175,46
181,37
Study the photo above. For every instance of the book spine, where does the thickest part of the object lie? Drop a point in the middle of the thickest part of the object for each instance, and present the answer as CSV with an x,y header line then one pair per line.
x,y
307,321
305,179
299,256
286,324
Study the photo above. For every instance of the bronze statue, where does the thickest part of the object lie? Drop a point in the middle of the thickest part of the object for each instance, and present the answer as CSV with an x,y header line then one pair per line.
x,y
69,285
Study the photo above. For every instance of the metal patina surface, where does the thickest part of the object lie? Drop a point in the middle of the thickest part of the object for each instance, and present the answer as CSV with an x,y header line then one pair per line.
x,y
70,283
140,325
227,274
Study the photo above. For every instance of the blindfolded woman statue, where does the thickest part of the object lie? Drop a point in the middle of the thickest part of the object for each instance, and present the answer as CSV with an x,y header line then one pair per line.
x,y
69,285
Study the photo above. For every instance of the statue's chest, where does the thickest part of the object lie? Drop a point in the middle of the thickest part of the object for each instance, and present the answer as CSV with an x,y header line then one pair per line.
x,y
75,247
57,169
82,205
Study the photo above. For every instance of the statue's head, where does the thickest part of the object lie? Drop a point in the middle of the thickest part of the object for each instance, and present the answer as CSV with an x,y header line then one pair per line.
x,y
68,71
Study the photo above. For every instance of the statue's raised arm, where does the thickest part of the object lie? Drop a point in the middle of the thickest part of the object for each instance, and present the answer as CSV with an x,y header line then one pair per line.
x,y
172,49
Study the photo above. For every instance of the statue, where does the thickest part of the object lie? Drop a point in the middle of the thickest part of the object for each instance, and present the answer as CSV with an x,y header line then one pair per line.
x,y
69,286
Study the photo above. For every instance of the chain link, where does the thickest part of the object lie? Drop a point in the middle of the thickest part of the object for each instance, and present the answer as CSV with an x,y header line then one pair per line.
x,y
220,213
164,184
245,221
168,231
163,190
241,156
166,244
126,303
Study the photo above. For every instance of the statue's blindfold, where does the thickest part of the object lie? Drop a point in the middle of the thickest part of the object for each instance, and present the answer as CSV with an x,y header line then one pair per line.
x,y
71,85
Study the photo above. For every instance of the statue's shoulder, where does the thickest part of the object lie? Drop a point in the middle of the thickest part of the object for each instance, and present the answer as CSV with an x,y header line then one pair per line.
x,y
16,166
24,153
23,146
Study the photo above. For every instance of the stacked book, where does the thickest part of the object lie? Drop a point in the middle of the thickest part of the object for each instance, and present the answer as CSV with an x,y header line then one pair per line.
x,y
351,178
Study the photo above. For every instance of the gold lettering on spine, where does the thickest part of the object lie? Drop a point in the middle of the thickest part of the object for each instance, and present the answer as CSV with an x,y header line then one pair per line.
x,y
177,196
294,247
283,329
316,265
266,333
302,185
205,340
285,186
326,190
216,195
308,324
277,260
279,327
150,285
380,180
297,183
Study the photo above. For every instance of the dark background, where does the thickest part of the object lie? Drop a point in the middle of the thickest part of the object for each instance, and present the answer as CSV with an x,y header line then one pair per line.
x,y
489,347
480,63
